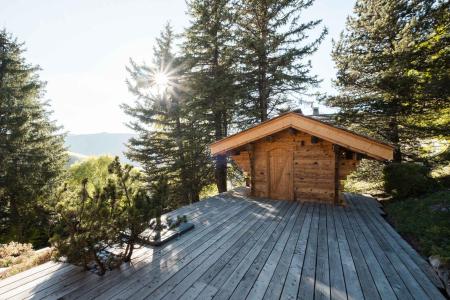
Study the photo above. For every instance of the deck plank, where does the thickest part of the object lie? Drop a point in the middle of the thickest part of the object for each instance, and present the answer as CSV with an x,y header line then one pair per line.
x,y
307,281
177,284
262,282
203,227
63,286
397,254
292,282
411,257
252,275
277,282
99,284
256,249
241,280
364,275
337,281
384,274
412,288
352,283
322,284
229,278
154,271
381,282
220,271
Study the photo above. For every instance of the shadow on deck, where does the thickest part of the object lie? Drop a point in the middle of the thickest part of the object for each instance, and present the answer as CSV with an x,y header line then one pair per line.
x,y
255,249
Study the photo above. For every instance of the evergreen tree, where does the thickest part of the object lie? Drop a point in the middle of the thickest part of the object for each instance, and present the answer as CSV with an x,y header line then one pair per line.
x,y
112,207
32,154
393,69
273,44
165,137
210,55
137,209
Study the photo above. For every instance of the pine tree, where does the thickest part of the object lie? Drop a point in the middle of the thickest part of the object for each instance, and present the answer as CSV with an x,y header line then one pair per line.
x,y
393,63
102,204
165,136
428,37
210,55
273,45
32,154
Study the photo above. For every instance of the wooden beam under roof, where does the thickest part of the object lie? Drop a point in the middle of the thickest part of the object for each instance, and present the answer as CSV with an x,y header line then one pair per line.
x,y
338,136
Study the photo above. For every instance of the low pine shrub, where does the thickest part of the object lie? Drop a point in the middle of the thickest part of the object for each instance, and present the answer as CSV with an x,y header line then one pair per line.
x,y
94,220
407,179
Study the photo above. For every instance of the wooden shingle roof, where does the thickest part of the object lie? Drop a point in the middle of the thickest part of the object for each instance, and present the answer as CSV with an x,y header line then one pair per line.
x,y
339,136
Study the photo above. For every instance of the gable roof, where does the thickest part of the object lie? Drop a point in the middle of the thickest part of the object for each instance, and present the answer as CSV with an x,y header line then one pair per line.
x,y
345,138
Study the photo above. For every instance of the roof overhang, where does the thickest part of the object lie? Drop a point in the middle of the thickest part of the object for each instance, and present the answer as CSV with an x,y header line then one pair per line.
x,y
338,136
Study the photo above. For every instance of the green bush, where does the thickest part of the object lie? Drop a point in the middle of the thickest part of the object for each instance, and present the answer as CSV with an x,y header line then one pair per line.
x,y
403,180
425,222
94,219
367,178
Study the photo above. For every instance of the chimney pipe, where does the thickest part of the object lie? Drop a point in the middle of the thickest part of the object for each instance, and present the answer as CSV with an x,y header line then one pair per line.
x,y
315,111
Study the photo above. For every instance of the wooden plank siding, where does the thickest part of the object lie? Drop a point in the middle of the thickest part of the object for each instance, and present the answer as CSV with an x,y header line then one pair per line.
x,y
309,176
242,248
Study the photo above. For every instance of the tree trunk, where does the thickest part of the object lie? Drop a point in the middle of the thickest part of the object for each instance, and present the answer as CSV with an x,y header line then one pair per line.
x,y
99,264
16,224
395,139
195,196
181,157
220,126
221,173
263,85
129,252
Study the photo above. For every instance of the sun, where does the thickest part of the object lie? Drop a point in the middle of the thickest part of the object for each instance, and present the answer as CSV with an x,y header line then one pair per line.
x,y
161,81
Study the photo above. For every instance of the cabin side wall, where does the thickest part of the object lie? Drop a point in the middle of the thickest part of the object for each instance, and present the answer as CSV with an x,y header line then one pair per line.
x,y
314,169
313,165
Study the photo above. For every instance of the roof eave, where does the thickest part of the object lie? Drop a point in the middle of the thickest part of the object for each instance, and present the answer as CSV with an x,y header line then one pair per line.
x,y
380,151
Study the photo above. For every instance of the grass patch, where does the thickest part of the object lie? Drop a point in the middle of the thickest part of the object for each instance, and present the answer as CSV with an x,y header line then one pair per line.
x,y
425,222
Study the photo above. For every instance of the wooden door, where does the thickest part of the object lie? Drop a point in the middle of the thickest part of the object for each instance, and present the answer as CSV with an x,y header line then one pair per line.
x,y
281,174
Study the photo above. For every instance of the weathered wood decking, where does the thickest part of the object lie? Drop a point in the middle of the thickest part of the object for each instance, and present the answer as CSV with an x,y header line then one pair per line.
x,y
265,249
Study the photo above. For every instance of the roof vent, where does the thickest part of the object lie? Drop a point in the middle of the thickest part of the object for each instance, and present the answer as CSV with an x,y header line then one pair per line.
x,y
315,111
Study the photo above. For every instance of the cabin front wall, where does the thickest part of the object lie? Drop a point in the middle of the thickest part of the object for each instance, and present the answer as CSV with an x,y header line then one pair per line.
x,y
291,165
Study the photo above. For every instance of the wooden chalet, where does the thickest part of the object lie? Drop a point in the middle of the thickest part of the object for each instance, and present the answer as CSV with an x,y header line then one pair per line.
x,y
296,157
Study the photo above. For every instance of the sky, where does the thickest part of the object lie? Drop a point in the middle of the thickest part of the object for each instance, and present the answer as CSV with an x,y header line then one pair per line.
x,y
83,47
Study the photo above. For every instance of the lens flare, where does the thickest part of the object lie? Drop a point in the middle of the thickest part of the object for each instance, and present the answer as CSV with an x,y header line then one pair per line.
x,y
161,81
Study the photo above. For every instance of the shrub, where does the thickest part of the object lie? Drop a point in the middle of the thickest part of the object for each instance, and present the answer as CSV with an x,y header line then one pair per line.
x,y
137,207
27,261
425,222
13,253
441,173
100,217
403,180
367,178
87,225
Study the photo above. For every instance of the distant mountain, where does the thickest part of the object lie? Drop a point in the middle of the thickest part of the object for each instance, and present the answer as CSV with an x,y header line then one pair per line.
x,y
75,157
82,145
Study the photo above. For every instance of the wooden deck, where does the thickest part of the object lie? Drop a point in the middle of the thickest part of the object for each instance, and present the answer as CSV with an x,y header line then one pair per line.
x,y
265,249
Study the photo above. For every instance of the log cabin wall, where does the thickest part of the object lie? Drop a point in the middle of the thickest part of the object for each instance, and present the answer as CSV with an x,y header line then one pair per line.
x,y
294,165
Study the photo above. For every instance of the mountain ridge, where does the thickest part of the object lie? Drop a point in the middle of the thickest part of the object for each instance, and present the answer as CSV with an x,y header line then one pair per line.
x,y
95,144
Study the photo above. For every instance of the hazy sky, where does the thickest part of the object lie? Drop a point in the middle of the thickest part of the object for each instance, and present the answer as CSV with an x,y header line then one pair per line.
x,y
83,47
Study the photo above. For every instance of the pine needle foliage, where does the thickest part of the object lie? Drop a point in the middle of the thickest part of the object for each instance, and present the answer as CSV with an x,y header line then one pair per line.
x,y
274,44
393,65
210,55
94,218
171,141
32,154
